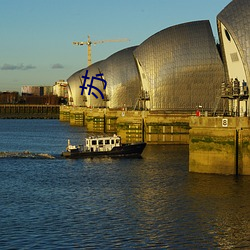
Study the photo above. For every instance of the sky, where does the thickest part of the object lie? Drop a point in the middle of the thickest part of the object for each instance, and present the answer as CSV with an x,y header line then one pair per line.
x,y
36,35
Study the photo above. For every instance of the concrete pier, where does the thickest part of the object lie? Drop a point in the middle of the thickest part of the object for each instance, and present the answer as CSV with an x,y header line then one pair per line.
x,y
219,145
132,126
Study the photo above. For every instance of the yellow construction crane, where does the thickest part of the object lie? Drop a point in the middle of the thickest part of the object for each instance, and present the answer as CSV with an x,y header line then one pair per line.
x,y
89,43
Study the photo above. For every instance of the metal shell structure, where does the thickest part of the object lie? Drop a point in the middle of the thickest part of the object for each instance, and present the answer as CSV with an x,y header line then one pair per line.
x,y
180,67
123,82
74,91
234,32
95,92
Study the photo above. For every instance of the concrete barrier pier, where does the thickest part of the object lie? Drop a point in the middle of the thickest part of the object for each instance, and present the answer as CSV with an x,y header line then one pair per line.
x,y
219,145
132,126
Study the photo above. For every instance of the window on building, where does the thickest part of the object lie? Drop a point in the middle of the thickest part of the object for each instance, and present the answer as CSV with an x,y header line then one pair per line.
x,y
227,35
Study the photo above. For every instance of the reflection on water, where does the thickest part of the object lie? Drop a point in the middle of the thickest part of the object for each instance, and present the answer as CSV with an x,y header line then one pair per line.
x,y
107,203
224,201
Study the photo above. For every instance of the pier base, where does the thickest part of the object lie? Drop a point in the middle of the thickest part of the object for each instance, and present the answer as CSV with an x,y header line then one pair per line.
x,y
132,126
219,145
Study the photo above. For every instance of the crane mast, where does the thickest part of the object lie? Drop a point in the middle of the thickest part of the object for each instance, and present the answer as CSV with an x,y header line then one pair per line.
x,y
89,43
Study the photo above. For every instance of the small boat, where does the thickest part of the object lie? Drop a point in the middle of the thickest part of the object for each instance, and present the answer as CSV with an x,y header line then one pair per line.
x,y
96,146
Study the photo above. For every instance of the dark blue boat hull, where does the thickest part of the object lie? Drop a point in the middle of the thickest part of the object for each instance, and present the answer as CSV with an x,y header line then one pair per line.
x,y
126,150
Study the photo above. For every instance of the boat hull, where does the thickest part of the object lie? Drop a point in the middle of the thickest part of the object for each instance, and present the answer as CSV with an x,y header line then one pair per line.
x,y
126,150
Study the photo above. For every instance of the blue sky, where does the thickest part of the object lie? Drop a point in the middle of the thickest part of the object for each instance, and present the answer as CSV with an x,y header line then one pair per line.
x,y
36,35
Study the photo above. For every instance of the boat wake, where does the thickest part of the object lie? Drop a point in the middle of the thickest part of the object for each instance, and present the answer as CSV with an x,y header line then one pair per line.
x,y
26,154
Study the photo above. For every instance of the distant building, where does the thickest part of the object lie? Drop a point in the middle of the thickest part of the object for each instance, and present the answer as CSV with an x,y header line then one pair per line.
x,y
60,89
37,90
30,90
47,90
39,95
9,97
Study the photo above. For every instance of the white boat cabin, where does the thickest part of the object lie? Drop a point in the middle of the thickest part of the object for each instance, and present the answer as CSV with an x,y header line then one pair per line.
x,y
103,143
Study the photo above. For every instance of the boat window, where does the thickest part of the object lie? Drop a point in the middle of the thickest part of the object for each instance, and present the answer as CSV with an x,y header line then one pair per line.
x,y
100,142
93,142
117,141
112,141
107,142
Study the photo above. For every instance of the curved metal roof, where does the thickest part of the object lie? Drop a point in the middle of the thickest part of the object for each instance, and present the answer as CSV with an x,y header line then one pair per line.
x,y
74,81
121,74
93,97
180,67
236,18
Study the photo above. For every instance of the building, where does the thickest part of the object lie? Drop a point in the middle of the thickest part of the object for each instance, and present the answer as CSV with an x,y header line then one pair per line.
x,y
234,34
37,90
123,80
176,69
180,68
9,97
74,91
93,90
38,95
60,89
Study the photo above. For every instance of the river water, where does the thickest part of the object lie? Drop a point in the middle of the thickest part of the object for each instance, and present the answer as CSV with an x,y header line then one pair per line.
x,y
149,203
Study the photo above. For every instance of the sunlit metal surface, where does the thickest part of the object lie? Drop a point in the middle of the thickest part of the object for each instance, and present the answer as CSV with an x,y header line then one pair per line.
x,y
122,77
121,74
180,67
75,97
236,18
90,98
234,33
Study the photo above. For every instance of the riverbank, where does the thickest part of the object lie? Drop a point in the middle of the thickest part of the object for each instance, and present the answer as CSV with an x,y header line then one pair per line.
x,y
25,111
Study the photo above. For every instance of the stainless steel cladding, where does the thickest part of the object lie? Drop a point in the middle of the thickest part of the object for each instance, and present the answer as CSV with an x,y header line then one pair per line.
x,y
180,67
123,82
91,95
234,25
74,91
122,77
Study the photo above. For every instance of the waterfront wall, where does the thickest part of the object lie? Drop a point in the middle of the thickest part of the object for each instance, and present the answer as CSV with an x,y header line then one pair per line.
x,y
19,111
132,126
219,145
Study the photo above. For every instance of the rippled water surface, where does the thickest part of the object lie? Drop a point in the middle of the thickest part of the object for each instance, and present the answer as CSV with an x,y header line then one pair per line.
x,y
153,202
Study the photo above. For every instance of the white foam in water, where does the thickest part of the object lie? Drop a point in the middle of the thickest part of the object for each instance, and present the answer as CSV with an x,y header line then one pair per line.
x,y
25,154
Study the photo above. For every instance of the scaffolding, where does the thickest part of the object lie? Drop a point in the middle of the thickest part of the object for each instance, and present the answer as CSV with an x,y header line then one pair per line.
x,y
232,94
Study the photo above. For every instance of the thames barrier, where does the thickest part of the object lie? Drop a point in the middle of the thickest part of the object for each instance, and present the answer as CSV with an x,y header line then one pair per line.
x,y
132,126
174,75
179,86
218,145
